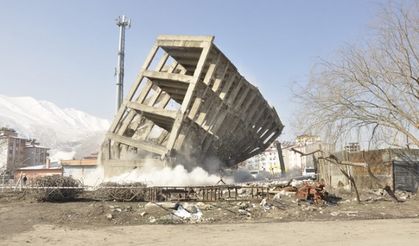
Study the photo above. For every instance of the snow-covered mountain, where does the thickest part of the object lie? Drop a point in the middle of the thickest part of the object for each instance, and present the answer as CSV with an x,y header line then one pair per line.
x,y
66,131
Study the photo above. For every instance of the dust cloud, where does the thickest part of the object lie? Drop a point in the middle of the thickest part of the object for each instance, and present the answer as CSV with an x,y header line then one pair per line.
x,y
154,175
167,176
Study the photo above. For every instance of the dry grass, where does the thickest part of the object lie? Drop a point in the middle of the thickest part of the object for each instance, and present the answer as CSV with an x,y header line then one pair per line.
x,y
56,188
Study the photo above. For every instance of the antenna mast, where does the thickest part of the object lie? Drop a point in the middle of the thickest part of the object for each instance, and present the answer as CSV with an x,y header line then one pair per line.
x,y
122,22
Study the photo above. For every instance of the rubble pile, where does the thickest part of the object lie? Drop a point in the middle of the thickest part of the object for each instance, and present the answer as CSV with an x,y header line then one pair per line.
x,y
383,195
293,200
313,193
296,200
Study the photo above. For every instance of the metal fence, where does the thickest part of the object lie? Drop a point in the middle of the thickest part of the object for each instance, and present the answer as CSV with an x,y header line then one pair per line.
x,y
172,193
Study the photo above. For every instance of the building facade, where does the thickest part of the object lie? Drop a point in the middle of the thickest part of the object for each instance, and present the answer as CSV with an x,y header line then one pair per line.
x,y
33,172
12,149
297,163
16,152
352,147
267,161
83,170
35,153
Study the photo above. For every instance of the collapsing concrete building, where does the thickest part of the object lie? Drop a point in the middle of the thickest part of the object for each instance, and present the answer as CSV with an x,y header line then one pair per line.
x,y
188,105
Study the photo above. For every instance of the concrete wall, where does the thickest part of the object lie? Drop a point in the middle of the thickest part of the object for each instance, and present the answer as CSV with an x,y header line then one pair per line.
x,y
380,164
81,173
294,161
31,174
379,161
332,176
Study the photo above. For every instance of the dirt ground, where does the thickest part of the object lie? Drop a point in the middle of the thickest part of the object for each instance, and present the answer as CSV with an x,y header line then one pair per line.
x,y
359,232
376,221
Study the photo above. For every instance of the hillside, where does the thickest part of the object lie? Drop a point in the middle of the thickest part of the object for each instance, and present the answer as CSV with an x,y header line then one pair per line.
x,y
68,132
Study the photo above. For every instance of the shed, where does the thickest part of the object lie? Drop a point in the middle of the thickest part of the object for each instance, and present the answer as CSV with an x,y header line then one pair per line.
x,y
33,172
397,168
81,170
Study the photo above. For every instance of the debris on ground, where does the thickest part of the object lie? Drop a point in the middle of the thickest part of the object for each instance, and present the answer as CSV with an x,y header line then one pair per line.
x,y
265,205
312,193
347,213
151,219
109,216
194,214
284,201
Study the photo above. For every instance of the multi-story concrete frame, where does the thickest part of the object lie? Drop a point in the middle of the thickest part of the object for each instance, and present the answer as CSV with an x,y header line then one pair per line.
x,y
192,106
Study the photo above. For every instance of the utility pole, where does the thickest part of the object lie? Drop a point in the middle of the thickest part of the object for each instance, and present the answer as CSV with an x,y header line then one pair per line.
x,y
122,22
281,157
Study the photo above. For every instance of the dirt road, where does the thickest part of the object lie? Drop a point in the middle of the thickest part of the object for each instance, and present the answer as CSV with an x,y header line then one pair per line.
x,y
360,232
24,221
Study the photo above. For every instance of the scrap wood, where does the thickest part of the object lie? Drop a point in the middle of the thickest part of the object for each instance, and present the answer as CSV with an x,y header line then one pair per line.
x,y
121,192
312,192
290,189
278,204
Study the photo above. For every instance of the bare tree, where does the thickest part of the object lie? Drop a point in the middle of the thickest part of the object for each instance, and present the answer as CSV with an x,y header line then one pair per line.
x,y
371,90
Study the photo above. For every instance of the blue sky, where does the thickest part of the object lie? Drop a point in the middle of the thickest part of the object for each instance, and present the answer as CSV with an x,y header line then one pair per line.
x,y
65,51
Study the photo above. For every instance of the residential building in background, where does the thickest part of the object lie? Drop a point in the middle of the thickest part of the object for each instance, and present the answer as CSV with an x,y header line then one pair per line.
x,y
305,144
352,147
266,161
12,149
17,152
35,153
